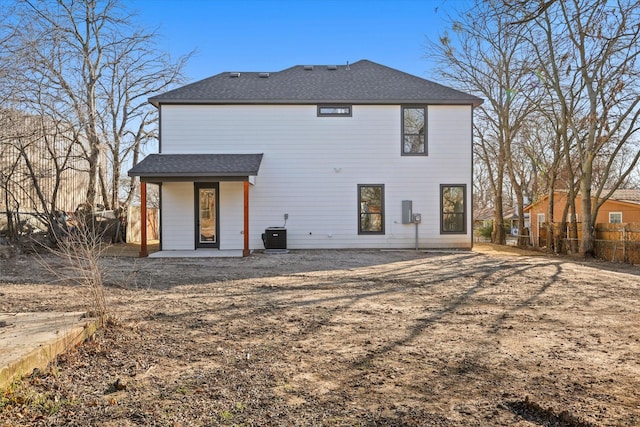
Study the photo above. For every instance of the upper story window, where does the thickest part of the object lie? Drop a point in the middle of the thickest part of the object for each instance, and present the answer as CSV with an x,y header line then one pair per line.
x,y
334,110
615,217
414,131
370,209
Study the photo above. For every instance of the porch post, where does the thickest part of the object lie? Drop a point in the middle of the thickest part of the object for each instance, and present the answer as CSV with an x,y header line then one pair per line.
x,y
143,220
245,251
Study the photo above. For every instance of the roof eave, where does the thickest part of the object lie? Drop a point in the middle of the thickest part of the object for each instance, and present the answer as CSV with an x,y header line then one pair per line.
x,y
192,174
158,101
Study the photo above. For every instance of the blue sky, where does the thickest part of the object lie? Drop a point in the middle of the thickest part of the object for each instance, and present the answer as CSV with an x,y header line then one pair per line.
x,y
271,35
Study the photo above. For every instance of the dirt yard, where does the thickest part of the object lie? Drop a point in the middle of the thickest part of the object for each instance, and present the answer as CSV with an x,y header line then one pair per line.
x,y
341,338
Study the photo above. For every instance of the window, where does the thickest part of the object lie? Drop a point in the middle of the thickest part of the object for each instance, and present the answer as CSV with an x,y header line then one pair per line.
x,y
453,208
370,209
334,110
615,217
414,123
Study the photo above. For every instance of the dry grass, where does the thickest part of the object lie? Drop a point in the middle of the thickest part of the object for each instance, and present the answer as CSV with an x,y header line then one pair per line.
x,y
345,338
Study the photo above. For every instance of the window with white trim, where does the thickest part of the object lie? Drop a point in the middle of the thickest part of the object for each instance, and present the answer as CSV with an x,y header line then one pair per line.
x,y
615,217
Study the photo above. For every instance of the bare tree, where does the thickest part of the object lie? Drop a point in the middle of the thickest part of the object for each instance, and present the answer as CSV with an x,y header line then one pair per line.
x,y
9,163
93,67
491,155
493,63
589,51
547,154
134,71
42,166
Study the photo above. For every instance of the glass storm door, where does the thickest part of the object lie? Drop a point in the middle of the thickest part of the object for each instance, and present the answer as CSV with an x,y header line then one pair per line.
x,y
206,196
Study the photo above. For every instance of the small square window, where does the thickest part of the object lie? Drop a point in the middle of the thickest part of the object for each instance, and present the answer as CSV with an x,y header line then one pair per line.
x,y
615,217
334,110
541,219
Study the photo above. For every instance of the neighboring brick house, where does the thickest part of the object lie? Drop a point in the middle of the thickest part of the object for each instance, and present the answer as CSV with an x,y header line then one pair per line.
x,y
332,153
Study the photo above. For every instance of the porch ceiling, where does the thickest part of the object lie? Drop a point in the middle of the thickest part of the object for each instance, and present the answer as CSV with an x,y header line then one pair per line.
x,y
197,167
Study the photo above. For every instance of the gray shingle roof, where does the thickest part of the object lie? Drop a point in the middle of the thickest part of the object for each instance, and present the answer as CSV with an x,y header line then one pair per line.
x,y
363,82
197,165
626,195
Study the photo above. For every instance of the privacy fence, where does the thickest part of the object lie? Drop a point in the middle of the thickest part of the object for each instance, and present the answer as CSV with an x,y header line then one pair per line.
x,y
134,224
613,242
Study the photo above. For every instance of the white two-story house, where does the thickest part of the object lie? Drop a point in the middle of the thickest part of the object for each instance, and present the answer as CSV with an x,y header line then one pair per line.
x,y
349,156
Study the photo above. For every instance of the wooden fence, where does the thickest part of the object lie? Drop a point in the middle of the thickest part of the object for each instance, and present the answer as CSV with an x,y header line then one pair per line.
x,y
613,242
618,242
134,224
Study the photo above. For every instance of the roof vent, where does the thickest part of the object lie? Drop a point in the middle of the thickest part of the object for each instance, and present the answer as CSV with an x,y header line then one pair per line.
x,y
234,75
332,67
308,67
263,75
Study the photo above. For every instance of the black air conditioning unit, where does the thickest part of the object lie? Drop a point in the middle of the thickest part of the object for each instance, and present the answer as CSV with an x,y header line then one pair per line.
x,y
275,238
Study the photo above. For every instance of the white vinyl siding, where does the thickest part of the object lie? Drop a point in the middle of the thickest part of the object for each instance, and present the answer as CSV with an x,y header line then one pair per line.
x,y
312,166
232,215
177,216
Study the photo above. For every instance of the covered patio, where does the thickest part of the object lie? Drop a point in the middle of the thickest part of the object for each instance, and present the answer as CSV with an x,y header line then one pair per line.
x,y
196,168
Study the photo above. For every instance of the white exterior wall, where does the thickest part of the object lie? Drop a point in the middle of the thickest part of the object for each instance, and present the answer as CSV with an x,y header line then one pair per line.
x,y
311,169
177,216
231,215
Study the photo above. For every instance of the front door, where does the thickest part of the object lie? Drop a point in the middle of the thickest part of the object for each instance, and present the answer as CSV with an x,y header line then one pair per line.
x,y
206,197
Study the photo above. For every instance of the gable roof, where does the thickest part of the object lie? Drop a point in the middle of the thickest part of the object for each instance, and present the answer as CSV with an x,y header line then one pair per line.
x,y
363,82
190,166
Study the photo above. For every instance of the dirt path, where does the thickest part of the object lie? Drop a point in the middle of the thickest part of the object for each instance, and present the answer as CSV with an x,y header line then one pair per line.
x,y
342,338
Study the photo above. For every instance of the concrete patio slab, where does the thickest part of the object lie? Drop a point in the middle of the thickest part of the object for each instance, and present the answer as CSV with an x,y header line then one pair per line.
x,y
32,340
199,253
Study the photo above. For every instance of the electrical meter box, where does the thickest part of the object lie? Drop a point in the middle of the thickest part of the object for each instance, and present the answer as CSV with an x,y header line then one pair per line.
x,y
407,211
417,218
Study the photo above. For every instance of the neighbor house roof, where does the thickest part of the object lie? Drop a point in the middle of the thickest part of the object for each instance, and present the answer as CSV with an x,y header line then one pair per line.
x,y
487,214
626,195
363,82
622,195
191,166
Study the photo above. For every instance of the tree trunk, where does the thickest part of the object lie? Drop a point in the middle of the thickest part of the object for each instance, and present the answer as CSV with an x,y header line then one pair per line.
x,y
523,240
587,247
103,189
498,235
552,242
